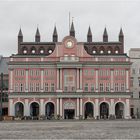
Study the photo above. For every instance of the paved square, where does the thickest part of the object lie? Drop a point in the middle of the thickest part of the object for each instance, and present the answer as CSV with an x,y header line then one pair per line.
x,y
70,130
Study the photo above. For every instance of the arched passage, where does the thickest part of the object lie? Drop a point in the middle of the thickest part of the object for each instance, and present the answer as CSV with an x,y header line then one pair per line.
x,y
34,109
19,109
89,110
119,110
49,110
104,110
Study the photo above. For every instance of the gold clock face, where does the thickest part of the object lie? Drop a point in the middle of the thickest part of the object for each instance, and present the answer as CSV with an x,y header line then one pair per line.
x,y
69,44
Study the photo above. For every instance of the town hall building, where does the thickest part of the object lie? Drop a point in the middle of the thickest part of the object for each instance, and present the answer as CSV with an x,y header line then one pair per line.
x,y
70,79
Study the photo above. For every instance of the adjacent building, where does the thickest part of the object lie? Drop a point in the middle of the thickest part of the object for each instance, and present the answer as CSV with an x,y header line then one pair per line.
x,y
4,69
134,55
70,79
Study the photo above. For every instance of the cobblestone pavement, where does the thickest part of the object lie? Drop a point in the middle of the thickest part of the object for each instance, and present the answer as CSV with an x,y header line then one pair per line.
x,y
70,130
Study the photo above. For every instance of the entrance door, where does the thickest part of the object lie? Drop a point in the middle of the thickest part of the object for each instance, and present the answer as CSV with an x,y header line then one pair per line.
x,y
69,113
104,110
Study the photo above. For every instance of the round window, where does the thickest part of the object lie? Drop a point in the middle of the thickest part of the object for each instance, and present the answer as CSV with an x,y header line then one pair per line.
x,y
109,52
50,51
41,51
24,51
94,52
33,51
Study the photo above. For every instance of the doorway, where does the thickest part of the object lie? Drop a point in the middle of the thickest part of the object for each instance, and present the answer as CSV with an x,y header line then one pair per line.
x,y
69,113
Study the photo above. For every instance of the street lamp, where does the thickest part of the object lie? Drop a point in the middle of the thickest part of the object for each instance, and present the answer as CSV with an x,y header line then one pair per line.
x,y
1,97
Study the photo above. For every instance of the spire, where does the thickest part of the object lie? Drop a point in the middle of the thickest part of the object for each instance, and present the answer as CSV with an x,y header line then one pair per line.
x,y
20,33
72,31
37,36
105,36
89,35
121,36
37,32
55,31
55,36
121,32
20,39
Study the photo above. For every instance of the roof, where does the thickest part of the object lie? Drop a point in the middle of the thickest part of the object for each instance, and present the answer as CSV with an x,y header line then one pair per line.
x,y
4,64
134,49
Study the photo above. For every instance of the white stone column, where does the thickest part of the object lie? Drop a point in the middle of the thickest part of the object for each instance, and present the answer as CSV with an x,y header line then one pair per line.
x,y
112,108
60,79
61,113
11,80
57,107
127,109
81,79
42,107
42,80
11,108
78,82
127,80
112,82
81,106
77,107
96,108
26,108
26,76
97,80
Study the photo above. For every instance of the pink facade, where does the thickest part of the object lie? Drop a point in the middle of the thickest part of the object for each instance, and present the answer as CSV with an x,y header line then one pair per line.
x,y
69,79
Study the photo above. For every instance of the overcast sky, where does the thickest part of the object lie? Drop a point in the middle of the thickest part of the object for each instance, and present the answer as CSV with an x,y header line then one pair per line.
x,y
28,14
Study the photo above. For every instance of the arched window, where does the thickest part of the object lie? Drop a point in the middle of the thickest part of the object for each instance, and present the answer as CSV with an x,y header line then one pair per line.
x,y
117,50
41,50
24,50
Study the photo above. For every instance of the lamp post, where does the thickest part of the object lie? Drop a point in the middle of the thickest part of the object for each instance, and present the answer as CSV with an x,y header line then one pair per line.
x,y
1,97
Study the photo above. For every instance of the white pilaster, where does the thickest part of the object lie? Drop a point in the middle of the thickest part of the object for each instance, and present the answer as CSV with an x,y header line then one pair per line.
x,y
96,108
97,80
57,107
112,87
81,79
11,80
11,108
78,79
57,79
81,106
112,108
60,79
61,107
77,107
26,76
42,81
127,81
42,107
127,109
26,108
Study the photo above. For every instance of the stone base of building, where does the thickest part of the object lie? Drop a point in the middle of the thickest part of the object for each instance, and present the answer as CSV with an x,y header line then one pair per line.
x,y
70,108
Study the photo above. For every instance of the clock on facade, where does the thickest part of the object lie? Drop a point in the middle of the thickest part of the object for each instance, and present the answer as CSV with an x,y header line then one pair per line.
x,y
69,44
